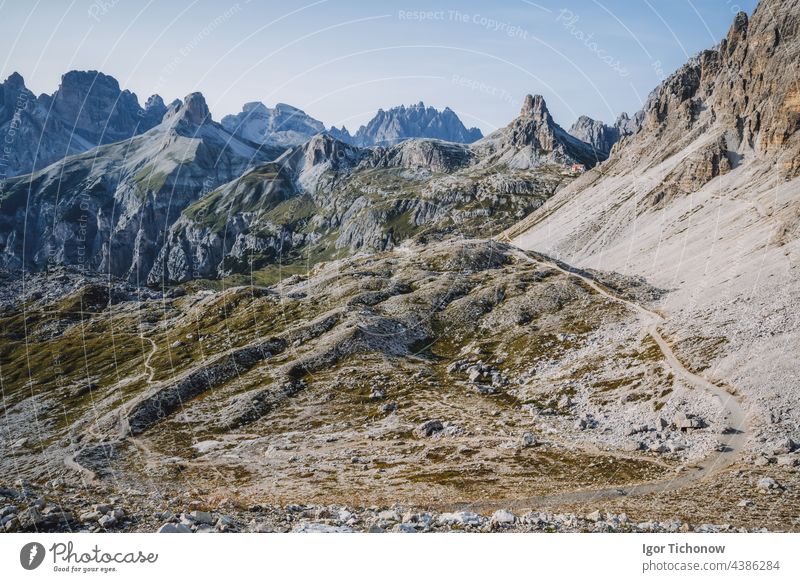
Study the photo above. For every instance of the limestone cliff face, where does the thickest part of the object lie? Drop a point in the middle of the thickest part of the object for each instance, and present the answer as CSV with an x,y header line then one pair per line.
x,y
398,124
534,138
108,210
747,87
716,127
87,110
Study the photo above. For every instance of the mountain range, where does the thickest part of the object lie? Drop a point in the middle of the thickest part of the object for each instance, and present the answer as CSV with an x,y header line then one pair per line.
x,y
390,127
584,330
188,198
89,109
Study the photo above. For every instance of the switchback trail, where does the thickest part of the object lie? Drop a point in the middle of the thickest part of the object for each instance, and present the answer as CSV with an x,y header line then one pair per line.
x,y
731,441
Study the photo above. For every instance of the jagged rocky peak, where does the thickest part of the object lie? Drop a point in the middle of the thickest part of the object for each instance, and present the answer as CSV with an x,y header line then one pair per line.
x,y
88,109
397,124
534,106
155,103
10,92
600,136
193,109
14,82
535,138
737,31
341,134
93,101
196,109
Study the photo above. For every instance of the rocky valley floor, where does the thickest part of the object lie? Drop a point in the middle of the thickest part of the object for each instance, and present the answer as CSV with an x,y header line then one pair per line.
x,y
460,384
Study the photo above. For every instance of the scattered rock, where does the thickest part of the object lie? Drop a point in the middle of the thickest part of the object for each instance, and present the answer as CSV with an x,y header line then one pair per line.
x,y
528,440
107,521
30,518
174,528
684,421
320,528
768,484
595,516
461,518
503,517
203,517
429,428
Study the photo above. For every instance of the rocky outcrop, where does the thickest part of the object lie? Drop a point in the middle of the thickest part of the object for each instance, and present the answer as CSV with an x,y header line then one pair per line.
x,y
533,139
429,155
109,212
327,198
397,124
600,136
87,110
282,125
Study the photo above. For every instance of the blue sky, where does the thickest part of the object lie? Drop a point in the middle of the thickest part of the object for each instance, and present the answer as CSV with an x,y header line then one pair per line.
x,y
342,60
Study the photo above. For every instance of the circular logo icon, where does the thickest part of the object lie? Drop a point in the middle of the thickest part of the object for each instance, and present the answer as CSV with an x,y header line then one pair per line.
x,y
31,555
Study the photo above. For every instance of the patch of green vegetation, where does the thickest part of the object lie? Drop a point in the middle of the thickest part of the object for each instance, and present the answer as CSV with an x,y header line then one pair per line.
x,y
292,211
149,180
258,191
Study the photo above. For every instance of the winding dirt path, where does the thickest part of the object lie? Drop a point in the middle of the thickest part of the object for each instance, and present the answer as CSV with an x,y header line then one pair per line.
x,y
731,441
153,350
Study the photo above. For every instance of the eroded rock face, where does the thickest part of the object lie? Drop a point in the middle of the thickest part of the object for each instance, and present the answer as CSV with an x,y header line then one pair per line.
x,y
745,85
87,110
109,212
282,125
390,127
534,138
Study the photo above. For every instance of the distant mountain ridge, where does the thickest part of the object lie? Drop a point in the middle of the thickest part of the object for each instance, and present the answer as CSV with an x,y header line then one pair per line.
x,y
106,209
283,125
392,126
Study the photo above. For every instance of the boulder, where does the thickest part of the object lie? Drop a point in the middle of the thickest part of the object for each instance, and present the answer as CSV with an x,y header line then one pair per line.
x,y
528,440
684,421
174,528
768,484
503,517
429,428
203,517
30,518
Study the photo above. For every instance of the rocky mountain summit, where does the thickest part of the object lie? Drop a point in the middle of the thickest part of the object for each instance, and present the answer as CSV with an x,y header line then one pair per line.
x,y
602,137
88,109
282,125
534,138
106,209
390,127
